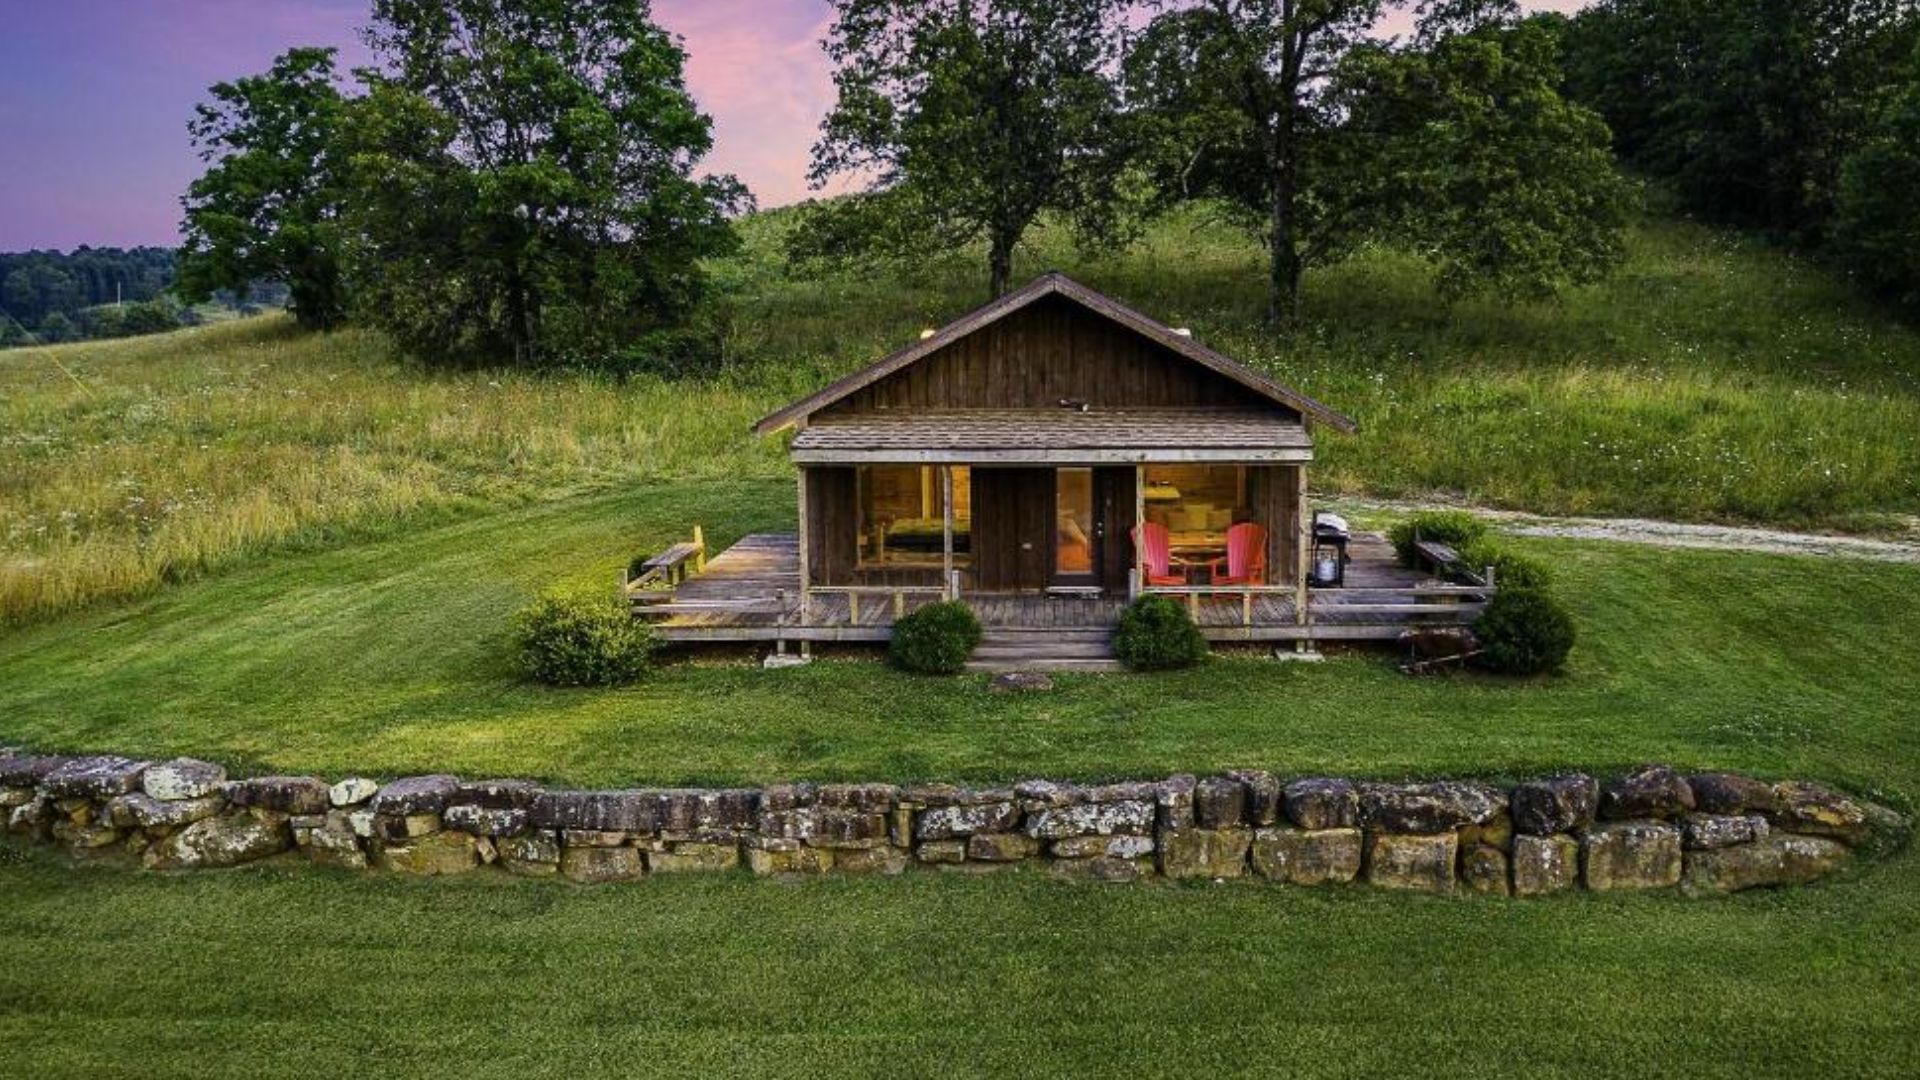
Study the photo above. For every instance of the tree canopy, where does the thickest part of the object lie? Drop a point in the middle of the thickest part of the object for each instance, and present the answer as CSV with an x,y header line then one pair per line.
x,y
269,203
523,180
1320,136
1748,108
968,119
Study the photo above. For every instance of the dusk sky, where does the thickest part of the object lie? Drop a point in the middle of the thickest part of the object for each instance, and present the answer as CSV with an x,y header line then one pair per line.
x,y
95,97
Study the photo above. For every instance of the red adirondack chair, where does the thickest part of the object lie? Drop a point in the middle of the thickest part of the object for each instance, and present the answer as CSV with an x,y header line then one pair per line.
x,y
1246,561
1156,554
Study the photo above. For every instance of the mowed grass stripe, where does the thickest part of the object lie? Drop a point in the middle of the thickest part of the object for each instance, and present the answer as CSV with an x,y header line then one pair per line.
x,y
268,970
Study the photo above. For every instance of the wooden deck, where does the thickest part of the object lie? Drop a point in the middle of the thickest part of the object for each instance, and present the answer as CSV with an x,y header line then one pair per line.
x,y
751,593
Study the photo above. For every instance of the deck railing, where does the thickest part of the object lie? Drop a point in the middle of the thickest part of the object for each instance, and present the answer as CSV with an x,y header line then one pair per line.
x,y
1399,600
896,595
1246,594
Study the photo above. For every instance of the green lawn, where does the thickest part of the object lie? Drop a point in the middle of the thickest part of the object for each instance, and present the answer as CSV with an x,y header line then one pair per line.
x,y
392,656
267,971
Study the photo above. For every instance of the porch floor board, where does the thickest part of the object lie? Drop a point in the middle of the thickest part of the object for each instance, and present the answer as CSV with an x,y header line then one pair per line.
x,y
751,592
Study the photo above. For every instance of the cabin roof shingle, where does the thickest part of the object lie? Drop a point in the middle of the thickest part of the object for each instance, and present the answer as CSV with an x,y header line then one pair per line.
x,y
1033,435
1056,284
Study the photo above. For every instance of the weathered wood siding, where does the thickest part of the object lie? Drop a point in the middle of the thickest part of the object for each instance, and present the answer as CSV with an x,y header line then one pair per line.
x,y
832,524
1271,493
1012,528
1115,506
1041,354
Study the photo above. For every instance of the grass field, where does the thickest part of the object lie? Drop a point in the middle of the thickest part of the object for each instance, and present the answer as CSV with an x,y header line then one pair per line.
x,y
1710,380
268,972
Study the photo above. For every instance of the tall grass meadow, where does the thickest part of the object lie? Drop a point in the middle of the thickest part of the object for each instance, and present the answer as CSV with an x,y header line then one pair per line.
x,y
1711,379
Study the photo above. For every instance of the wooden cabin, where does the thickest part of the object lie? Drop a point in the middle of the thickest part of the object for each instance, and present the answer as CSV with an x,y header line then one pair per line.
x,y
1010,459
1016,449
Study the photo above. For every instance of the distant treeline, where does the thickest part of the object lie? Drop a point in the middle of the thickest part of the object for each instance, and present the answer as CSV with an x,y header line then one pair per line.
x,y
48,297
1796,118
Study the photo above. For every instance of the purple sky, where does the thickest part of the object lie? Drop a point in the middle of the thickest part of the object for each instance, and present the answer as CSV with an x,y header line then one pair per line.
x,y
95,96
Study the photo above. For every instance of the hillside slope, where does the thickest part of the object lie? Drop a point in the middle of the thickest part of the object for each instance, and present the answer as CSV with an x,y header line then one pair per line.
x,y
1711,380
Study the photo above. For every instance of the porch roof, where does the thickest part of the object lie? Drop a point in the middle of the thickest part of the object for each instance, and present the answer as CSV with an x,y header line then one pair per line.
x,y
1055,436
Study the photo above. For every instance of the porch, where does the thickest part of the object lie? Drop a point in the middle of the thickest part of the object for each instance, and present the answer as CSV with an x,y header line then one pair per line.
x,y
752,592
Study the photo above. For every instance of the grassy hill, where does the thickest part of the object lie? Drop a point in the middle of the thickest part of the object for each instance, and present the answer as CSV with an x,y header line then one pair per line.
x,y
361,530
1712,379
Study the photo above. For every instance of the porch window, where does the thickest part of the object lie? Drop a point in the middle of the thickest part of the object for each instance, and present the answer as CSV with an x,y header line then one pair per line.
x,y
1196,503
903,520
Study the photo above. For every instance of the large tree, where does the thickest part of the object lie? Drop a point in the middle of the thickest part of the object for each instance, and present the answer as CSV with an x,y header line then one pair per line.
x,y
1319,136
968,120
523,180
268,206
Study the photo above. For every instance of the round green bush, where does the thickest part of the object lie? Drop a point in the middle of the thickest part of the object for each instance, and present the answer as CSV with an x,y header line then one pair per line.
x,y
935,639
577,640
1511,570
1455,528
1156,635
1524,632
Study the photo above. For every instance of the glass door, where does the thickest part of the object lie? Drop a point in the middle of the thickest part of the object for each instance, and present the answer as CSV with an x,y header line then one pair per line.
x,y
1076,543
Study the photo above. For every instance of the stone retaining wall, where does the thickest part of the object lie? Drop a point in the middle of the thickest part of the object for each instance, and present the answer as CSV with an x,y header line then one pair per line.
x,y
1652,829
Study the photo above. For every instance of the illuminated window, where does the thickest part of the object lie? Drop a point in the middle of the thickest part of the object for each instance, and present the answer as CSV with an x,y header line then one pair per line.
x,y
902,521
1197,504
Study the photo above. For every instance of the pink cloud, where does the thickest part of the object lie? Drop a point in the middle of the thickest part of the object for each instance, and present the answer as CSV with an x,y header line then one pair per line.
x,y
759,71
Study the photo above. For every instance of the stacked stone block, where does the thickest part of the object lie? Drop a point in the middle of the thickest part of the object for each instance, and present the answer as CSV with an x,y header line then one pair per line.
x,y
1650,829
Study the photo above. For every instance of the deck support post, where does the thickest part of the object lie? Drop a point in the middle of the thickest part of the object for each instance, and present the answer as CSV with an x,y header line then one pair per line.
x,y
1139,574
946,532
806,591
1303,557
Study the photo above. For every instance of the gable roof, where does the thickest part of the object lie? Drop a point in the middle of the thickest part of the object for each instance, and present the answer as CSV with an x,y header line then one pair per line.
x,y
1056,284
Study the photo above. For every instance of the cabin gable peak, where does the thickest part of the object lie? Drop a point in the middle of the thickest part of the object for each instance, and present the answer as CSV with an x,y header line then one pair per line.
x,y
1210,378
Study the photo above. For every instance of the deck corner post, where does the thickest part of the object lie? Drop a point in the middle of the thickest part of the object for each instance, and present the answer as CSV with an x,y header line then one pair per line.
x,y
1139,572
1303,550
806,590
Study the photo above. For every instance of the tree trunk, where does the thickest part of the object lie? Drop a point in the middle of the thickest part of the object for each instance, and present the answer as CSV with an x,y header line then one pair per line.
x,y
1283,259
1000,263
519,321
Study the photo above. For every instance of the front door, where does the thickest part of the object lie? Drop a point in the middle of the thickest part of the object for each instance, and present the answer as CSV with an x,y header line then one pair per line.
x,y
1012,529
1077,530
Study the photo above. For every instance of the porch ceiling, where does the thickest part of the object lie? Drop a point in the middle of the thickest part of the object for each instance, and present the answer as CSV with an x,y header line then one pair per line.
x,y
1055,435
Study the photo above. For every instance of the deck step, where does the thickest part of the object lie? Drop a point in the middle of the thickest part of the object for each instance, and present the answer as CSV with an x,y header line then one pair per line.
x,y
1063,650
1003,649
1056,665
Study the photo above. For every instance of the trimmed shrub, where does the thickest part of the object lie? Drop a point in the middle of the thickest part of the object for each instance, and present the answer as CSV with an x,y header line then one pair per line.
x,y
582,640
1524,632
1455,528
1511,570
1156,635
935,639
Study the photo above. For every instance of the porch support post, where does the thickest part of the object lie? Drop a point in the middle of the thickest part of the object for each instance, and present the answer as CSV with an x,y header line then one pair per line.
x,y
1303,539
806,592
946,532
1136,582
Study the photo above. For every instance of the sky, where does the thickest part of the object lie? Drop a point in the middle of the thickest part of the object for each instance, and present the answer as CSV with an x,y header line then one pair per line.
x,y
95,96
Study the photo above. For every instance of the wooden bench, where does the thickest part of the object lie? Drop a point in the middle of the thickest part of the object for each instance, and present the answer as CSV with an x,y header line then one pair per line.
x,y
669,568
1447,561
